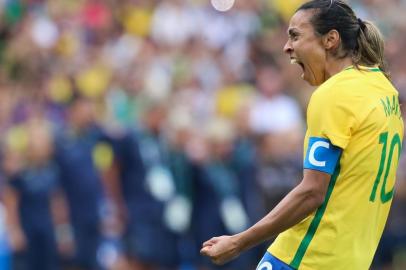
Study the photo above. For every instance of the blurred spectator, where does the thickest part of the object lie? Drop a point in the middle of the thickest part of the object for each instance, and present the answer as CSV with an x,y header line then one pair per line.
x,y
79,146
273,112
147,184
221,207
277,121
33,180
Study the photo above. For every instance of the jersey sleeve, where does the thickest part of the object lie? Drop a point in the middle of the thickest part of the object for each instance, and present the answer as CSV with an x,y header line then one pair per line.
x,y
332,115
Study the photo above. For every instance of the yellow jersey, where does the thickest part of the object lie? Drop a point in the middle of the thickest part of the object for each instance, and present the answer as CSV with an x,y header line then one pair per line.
x,y
355,119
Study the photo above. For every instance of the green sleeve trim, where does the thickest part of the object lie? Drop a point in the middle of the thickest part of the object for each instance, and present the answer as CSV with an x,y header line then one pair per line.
x,y
297,259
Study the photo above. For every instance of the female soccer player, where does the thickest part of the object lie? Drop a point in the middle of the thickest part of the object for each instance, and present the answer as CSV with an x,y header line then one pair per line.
x,y
335,217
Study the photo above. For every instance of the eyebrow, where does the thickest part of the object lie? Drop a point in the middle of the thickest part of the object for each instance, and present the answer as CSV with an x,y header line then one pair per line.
x,y
292,31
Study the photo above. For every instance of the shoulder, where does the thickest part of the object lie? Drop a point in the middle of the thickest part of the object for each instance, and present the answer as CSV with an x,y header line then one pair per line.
x,y
339,84
346,89
338,100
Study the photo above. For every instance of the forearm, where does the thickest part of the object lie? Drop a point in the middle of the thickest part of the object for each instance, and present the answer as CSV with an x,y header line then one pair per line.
x,y
11,201
296,206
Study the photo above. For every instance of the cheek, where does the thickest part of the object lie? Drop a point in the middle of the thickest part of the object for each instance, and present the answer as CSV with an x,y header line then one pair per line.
x,y
315,58
312,50
310,47
318,50
320,53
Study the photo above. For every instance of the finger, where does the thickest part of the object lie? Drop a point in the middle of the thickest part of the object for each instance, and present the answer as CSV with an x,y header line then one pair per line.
x,y
207,244
205,251
210,242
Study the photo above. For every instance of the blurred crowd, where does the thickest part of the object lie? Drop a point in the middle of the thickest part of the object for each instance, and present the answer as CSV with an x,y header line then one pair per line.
x,y
134,130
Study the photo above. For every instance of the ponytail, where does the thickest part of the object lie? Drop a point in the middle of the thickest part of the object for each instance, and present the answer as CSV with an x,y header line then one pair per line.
x,y
370,47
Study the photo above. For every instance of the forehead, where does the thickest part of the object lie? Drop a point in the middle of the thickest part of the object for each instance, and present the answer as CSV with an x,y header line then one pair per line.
x,y
301,21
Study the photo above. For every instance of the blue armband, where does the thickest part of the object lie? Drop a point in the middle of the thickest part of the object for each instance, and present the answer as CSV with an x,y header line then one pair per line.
x,y
321,155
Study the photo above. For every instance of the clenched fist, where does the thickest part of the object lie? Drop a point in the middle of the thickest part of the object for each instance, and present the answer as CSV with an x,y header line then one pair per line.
x,y
221,249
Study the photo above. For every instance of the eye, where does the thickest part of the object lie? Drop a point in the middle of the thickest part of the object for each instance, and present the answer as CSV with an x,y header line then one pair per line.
x,y
294,36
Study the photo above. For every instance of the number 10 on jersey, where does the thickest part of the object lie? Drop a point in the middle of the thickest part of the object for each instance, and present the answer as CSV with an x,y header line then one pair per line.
x,y
386,196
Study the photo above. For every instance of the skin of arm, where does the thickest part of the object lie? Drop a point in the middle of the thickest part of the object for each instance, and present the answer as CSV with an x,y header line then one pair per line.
x,y
11,165
11,201
61,219
303,200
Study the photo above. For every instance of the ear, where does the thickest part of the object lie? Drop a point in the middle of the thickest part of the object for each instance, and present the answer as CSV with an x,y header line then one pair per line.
x,y
331,40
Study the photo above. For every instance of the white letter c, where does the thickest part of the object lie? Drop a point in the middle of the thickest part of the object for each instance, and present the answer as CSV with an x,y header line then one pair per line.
x,y
312,159
265,266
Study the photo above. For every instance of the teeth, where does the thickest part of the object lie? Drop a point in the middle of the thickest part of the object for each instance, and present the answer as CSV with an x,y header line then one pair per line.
x,y
294,61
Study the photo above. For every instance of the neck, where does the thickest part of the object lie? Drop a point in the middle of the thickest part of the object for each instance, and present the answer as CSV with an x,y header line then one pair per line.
x,y
335,66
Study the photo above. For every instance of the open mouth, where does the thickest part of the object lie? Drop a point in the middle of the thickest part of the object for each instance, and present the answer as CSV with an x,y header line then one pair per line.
x,y
296,61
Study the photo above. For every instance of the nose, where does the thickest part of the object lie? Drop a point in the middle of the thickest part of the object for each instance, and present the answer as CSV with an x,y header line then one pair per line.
x,y
288,47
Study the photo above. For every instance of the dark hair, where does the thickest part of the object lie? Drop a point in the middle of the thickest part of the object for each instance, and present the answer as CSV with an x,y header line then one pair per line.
x,y
360,39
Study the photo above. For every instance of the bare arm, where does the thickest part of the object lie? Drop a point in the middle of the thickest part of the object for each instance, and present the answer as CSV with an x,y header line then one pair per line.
x,y
61,219
303,200
11,202
11,165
